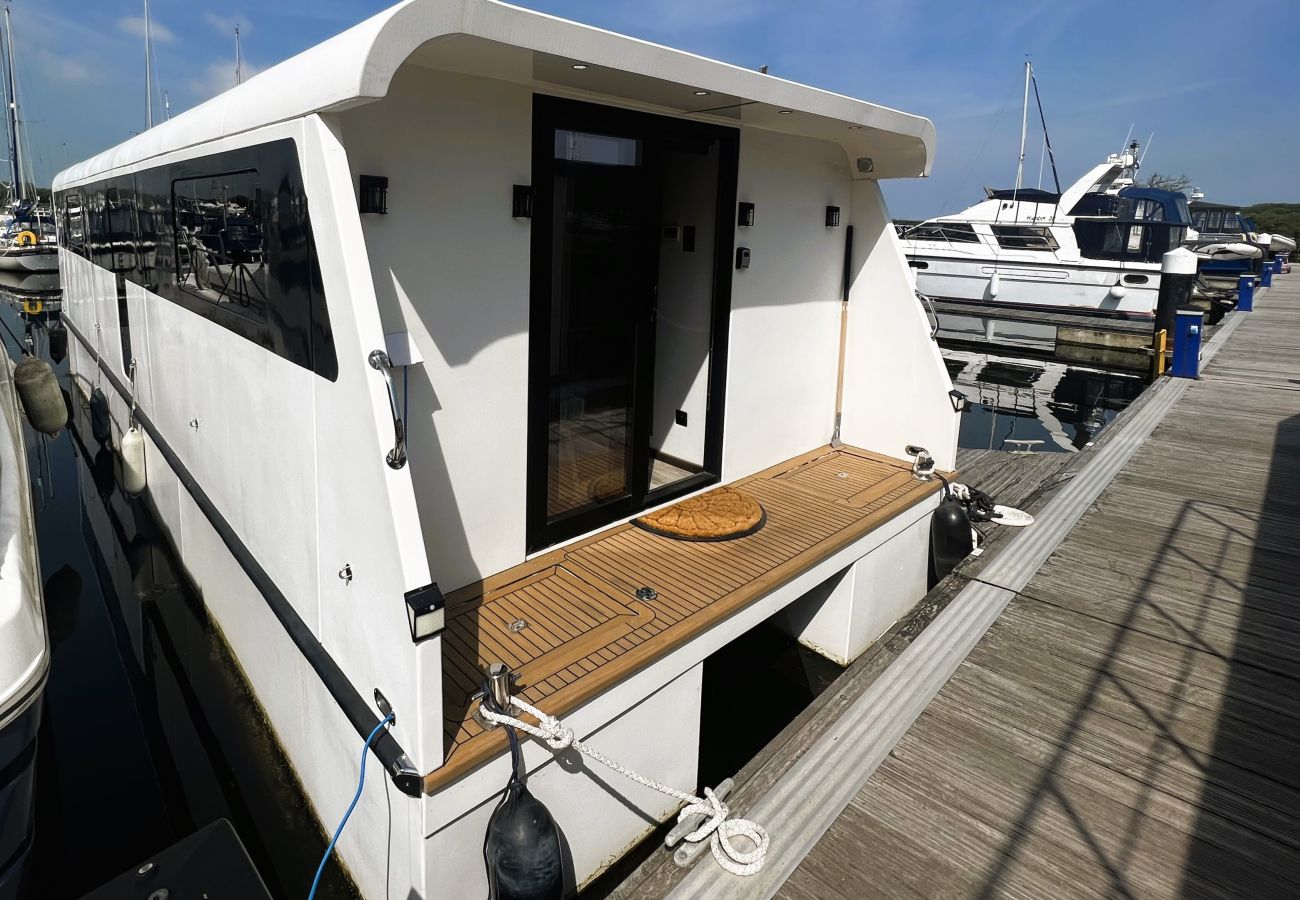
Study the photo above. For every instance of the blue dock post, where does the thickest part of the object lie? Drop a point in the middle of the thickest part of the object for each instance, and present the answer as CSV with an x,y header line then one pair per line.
x,y
1246,292
1266,277
1277,265
1187,342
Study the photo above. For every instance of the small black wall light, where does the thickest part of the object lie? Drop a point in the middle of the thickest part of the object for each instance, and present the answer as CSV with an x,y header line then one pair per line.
x,y
373,196
745,215
958,400
832,217
521,202
426,612
742,257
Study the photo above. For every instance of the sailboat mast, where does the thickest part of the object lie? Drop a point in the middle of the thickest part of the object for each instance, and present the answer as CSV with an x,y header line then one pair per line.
x,y
15,142
239,59
1024,128
148,69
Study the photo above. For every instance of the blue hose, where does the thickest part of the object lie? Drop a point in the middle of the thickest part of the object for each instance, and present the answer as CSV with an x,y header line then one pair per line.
x,y
361,783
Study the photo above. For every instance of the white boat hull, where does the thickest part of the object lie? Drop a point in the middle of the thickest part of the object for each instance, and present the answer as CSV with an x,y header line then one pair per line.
x,y
1053,287
45,261
24,644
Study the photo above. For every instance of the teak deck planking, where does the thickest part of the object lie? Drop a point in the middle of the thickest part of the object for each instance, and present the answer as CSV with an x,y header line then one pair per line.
x,y
585,627
1128,726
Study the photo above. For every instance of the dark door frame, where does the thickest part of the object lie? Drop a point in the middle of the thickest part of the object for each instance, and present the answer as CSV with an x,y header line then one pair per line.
x,y
550,113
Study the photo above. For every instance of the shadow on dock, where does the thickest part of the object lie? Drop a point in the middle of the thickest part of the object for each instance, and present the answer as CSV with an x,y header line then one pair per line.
x,y
1197,688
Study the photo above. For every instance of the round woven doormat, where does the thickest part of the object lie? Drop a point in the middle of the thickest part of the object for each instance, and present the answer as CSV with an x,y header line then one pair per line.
x,y
720,515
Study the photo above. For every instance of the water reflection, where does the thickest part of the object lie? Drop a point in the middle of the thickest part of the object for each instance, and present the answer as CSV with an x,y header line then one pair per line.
x,y
1031,406
146,715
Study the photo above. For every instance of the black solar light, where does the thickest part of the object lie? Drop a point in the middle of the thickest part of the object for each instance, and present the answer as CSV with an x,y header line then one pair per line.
x,y
745,216
426,612
832,217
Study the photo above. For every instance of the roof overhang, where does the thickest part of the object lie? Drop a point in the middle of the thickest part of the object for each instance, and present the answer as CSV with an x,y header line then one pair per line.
x,y
494,39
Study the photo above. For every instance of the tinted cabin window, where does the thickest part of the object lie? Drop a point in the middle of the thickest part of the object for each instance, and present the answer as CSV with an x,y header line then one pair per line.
x,y
954,232
72,236
225,236
220,252
1021,237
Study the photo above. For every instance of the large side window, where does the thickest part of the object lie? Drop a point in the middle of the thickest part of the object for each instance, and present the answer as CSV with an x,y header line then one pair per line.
x,y
226,236
1023,237
220,253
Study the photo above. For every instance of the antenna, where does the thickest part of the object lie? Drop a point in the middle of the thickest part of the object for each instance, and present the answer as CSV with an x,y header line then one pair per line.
x,y
1151,138
1024,125
1124,146
148,70
167,107
239,59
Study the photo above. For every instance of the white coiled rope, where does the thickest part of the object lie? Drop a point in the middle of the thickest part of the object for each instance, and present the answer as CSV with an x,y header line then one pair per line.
x,y
717,827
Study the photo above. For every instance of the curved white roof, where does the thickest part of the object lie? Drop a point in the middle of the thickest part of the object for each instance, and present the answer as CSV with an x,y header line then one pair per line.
x,y
498,40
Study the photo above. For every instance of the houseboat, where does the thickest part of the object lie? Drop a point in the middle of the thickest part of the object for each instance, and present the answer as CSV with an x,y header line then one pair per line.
x,y
473,336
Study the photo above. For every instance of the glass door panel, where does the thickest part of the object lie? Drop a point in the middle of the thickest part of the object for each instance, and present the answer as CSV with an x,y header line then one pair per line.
x,y
598,306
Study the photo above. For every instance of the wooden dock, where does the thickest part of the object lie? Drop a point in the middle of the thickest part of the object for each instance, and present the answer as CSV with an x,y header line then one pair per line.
x,y
1130,724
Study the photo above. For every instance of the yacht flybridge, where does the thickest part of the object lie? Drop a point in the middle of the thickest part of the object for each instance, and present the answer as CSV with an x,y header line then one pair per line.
x,y
1094,247
473,336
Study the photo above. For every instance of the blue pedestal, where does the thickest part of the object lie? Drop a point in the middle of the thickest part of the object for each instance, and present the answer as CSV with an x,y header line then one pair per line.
x,y
1187,342
1246,293
1277,265
1266,279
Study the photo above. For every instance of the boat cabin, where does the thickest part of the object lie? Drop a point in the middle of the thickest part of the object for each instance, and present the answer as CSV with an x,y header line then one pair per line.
x,y
1137,224
433,327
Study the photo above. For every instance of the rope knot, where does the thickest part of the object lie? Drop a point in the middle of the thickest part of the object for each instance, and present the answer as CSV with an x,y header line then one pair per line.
x,y
558,735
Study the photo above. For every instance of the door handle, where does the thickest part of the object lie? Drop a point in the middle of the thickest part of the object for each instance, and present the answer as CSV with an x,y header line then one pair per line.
x,y
397,456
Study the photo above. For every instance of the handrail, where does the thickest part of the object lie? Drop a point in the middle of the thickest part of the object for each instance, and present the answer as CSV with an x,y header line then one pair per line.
x,y
389,752
397,456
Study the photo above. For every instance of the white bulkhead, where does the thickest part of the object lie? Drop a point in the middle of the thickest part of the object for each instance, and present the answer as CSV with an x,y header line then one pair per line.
x,y
257,292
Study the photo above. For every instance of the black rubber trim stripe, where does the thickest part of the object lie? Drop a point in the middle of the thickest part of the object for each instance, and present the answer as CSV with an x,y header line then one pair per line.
x,y
354,706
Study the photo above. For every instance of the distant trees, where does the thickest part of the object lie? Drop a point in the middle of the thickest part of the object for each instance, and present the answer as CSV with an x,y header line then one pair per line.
x,y
1167,182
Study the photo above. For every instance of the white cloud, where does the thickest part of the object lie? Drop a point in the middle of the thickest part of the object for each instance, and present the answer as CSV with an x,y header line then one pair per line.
x,y
226,24
64,68
135,25
217,77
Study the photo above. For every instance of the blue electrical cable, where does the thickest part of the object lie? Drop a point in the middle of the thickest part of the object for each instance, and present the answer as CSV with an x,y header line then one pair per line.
x,y
361,783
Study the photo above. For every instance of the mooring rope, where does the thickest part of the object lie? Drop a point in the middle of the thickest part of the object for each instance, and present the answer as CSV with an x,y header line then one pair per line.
x,y
717,826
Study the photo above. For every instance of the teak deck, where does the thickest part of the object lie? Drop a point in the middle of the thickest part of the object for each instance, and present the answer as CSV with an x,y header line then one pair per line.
x,y
569,622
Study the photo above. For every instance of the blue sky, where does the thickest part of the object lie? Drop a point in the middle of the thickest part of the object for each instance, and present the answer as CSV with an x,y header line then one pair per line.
x,y
1215,82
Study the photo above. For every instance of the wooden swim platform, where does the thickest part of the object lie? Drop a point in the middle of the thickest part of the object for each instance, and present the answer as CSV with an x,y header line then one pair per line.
x,y
575,621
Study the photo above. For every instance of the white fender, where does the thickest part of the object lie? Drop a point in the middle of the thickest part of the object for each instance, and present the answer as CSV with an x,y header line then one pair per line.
x,y
132,450
1118,291
995,283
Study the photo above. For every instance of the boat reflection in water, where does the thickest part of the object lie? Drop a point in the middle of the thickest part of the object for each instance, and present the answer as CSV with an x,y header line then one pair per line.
x,y
1033,406
143,702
